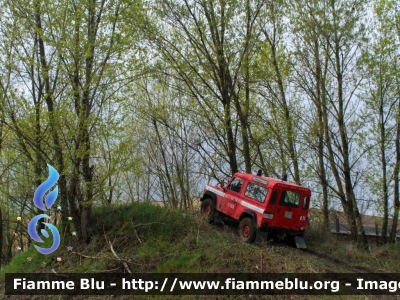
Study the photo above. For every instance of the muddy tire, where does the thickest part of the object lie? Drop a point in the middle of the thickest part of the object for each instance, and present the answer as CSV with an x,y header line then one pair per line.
x,y
208,210
247,232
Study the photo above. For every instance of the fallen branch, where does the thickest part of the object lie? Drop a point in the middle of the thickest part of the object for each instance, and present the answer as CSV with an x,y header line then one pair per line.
x,y
85,256
54,271
95,257
101,271
137,225
380,265
115,254
137,235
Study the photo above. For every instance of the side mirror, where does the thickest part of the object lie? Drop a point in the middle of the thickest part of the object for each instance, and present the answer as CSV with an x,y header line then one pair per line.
x,y
223,183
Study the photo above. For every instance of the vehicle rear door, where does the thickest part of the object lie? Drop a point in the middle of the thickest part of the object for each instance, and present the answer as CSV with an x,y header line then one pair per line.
x,y
286,213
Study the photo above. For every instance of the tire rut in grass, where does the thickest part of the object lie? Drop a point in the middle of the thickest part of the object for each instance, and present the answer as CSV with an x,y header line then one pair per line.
x,y
353,269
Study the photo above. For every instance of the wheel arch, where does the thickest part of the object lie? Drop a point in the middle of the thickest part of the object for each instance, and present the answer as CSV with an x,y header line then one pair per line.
x,y
209,195
249,214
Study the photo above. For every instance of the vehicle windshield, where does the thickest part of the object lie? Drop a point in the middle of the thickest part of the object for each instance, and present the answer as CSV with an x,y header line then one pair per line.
x,y
236,185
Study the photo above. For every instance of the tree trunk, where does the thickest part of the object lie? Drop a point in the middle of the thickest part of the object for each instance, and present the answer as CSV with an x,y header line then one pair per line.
x,y
48,97
352,208
287,118
1,238
396,196
320,80
382,149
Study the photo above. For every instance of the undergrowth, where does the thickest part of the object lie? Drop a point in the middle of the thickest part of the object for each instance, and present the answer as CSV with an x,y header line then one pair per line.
x,y
142,238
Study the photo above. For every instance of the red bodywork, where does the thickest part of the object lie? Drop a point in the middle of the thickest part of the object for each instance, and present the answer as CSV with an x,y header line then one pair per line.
x,y
276,206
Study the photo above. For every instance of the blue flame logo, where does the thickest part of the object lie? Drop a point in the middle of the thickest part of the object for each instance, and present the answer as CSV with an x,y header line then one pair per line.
x,y
44,205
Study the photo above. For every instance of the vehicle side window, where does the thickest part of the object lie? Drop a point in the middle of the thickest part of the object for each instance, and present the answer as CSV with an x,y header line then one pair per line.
x,y
306,202
256,192
273,197
236,185
290,199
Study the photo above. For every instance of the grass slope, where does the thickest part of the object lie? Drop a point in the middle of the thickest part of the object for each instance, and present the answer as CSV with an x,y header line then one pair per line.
x,y
149,238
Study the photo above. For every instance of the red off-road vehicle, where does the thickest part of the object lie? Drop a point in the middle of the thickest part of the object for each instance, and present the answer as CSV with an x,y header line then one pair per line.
x,y
265,207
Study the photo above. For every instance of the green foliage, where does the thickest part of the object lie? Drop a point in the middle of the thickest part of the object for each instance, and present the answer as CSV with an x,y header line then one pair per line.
x,y
149,100
149,238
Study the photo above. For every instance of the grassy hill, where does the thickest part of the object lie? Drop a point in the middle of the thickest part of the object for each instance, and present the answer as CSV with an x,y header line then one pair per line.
x,y
143,237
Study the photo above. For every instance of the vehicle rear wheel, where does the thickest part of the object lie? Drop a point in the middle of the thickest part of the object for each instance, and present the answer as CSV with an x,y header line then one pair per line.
x,y
247,232
208,210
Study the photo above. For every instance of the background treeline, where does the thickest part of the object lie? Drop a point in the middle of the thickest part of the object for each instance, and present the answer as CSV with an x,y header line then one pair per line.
x,y
149,100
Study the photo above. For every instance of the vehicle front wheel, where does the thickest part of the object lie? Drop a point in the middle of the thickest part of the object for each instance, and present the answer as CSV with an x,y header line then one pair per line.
x,y
208,210
247,232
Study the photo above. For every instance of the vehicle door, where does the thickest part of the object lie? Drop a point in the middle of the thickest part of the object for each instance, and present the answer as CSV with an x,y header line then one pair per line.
x,y
286,213
232,194
255,196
